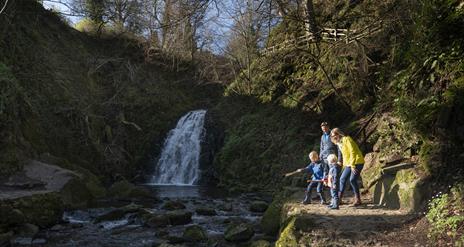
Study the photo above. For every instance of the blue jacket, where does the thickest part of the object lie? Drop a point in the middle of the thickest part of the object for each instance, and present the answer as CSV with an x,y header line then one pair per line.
x,y
334,170
327,146
318,170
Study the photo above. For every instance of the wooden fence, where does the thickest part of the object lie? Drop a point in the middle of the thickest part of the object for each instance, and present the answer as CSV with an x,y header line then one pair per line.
x,y
327,34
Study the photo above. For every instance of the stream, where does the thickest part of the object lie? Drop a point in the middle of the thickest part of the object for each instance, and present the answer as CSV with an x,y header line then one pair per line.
x,y
82,227
179,205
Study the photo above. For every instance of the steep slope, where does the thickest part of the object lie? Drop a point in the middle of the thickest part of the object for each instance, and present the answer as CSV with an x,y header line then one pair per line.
x,y
94,102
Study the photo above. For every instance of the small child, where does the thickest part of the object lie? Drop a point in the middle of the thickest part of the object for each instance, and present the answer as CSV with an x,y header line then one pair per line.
x,y
318,170
332,180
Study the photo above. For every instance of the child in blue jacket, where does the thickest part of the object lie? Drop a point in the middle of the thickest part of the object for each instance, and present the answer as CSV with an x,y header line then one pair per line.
x,y
332,180
318,169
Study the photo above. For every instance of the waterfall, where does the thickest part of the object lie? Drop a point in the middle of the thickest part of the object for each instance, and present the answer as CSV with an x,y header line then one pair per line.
x,y
179,159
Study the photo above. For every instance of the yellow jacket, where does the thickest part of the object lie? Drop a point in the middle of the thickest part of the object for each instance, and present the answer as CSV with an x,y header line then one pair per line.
x,y
351,153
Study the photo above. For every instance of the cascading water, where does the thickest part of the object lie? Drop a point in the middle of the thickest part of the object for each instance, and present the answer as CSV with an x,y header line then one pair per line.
x,y
179,160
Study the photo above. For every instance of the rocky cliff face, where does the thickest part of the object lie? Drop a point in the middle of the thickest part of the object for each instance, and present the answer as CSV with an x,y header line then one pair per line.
x,y
394,172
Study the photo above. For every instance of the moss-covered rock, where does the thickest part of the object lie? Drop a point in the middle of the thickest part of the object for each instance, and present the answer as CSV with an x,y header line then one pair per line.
x,y
430,157
407,189
195,233
260,243
258,206
39,209
126,190
206,211
27,230
179,217
5,238
270,222
173,205
10,216
157,220
75,194
115,214
288,236
239,232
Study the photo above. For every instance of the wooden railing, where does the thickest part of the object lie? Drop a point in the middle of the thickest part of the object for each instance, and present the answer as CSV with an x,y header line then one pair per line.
x,y
327,34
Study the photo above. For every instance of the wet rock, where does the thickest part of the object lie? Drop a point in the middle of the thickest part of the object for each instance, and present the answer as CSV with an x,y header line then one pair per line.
x,y
239,232
115,214
258,206
270,222
43,210
173,205
211,143
176,240
179,217
206,211
195,233
21,181
39,242
57,228
76,225
260,243
162,233
131,208
126,190
10,216
5,238
28,230
226,207
20,241
157,221
170,245
75,194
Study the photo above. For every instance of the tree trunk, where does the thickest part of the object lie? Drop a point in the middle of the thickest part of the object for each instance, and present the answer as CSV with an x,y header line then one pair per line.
x,y
311,24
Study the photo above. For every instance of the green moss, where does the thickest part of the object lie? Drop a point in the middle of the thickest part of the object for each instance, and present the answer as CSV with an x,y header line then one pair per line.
x,y
262,142
195,233
260,243
270,222
288,236
43,210
429,157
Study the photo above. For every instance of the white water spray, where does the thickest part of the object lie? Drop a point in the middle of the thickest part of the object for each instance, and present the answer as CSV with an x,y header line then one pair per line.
x,y
179,160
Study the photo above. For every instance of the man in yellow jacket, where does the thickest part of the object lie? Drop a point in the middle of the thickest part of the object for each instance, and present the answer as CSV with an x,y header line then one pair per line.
x,y
353,163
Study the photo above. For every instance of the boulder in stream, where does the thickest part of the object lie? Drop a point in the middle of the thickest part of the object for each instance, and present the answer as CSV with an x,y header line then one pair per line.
x,y
260,243
239,232
28,230
205,211
115,214
157,220
258,206
195,233
126,190
173,205
179,217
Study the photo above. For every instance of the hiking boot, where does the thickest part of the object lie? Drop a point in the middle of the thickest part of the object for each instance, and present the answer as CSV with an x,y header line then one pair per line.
x,y
340,196
334,207
357,201
306,202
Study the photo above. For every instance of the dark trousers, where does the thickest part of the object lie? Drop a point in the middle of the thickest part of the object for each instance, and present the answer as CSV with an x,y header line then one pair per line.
x,y
353,178
309,189
334,194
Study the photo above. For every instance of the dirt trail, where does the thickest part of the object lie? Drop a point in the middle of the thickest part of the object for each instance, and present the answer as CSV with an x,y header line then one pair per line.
x,y
367,225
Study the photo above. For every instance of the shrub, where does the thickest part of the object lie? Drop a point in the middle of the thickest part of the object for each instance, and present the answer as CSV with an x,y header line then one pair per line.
x,y
446,217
